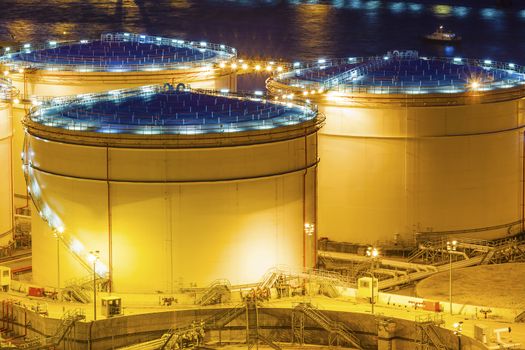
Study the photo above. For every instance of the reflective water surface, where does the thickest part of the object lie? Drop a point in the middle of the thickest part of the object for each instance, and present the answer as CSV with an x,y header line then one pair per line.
x,y
286,29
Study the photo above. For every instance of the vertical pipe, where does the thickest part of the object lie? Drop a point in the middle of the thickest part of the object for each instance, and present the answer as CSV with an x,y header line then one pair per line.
x,y
450,281
110,228
12,176
316,174
304,199
58,261
522,181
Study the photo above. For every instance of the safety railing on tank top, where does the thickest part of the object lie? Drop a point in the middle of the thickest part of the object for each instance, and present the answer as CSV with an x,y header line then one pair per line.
x,y
337,82
87,63
285,114
7,91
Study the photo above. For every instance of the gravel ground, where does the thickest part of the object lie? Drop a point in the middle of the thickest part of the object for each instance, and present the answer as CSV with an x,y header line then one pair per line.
x,y
487,285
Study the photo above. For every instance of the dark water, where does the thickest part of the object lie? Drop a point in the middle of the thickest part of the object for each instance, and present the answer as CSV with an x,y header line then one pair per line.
x,y
285,29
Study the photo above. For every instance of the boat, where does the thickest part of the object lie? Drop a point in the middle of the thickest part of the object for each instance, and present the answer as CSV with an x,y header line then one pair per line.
x,y
443,35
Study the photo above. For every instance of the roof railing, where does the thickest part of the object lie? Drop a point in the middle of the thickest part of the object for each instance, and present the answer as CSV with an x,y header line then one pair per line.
x,y
221,53
288,114
349,82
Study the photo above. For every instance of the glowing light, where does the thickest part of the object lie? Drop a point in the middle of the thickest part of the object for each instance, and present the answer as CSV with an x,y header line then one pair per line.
x,y
52,43
159,38
372,252
258,93
76,247
84,41
279,69
234,65
222,47
442,10
309,229
386,58
487,62
21,70
16,101
203,44
297,64
27,46
6,72
258,67
458,59
222,65
7,49
475,85
305,93
269,68
225,91
512,65
244,66
321,61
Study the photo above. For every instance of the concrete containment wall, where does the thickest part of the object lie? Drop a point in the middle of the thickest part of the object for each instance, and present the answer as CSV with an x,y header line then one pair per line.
x,y
274,323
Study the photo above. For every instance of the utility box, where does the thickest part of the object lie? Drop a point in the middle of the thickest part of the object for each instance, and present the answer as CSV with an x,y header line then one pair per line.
x,y
111,306
5,278
481,333
429,305
366,288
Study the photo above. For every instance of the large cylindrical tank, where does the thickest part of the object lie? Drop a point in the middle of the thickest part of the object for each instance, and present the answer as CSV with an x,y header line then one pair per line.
x,y
416,145
115,61
172,187
6,199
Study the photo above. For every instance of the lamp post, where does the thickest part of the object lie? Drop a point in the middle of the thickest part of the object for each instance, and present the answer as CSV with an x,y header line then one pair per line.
x,y
451,247
373,253
94,256
309,230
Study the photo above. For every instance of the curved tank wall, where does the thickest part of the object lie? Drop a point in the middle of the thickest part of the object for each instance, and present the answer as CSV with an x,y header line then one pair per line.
x,y
172,208
401,160
115,61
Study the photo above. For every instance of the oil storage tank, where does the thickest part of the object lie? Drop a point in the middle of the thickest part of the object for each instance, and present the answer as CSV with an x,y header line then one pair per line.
x,y
115,61
172,187
416,146
6,202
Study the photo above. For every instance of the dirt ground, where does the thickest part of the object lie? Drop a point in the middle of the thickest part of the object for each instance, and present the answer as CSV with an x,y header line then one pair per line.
x,y
488,285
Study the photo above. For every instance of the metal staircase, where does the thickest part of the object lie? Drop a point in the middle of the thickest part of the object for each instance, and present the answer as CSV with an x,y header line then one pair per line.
x,y
328,288
427,336
218,292
221,319
66,323
270,278
520,317
77,293
253,337
338,332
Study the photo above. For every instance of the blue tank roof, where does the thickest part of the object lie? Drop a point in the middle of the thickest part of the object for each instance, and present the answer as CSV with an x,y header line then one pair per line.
x,y
405,73
156,110
121,52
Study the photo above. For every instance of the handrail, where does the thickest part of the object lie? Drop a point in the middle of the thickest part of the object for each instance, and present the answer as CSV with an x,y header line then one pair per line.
x,y
289,78
221,53
42,113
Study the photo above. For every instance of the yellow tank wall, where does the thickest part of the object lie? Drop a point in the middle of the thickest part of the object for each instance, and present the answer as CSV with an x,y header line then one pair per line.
x,y
53,84
401,170
6,214
168,233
